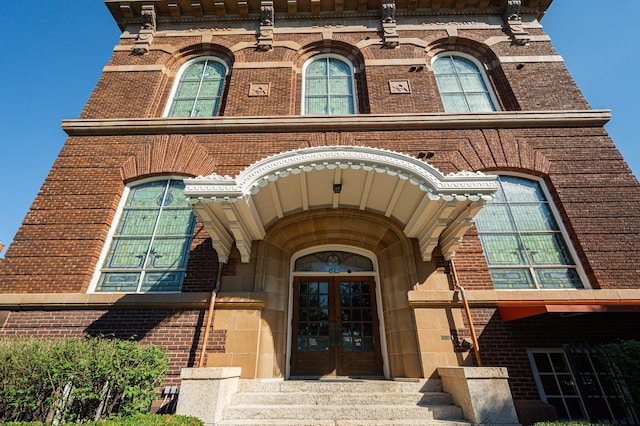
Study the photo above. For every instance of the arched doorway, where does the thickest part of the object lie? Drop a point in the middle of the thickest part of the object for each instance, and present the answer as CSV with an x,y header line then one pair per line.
x,y
335,324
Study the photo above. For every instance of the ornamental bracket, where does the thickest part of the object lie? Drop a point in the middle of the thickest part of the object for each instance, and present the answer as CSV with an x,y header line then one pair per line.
x,y
265,36
147,30
390,38
513,23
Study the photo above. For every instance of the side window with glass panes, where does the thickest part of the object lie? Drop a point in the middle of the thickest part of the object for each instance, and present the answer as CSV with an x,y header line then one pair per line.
x,y
522,240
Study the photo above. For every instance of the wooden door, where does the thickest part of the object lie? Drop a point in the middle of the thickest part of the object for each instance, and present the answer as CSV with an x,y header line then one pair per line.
x,y
335,327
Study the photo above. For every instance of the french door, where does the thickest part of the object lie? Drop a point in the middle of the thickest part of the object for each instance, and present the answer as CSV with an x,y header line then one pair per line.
x,y
335,327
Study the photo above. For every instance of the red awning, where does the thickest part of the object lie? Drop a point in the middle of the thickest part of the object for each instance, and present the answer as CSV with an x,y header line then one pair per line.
x,y
514,312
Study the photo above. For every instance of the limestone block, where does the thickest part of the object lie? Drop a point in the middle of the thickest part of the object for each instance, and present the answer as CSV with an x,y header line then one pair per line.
x,y
205,392
482,392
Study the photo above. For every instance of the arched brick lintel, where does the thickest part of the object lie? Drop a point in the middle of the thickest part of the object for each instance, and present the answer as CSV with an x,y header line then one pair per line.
x,y
168,154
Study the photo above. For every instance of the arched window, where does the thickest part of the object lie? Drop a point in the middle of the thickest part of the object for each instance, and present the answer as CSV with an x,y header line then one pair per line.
x,y
149,248
199,89
462,84
523,240
328,86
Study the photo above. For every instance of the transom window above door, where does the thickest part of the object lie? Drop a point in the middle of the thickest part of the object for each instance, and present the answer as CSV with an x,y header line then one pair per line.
x,y
334,262
328,86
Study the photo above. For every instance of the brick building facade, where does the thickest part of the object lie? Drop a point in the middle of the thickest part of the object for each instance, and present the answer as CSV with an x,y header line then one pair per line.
x,y
347,164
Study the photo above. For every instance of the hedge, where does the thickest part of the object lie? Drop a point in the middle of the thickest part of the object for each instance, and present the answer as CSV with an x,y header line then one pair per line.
x,y
77,380
135,420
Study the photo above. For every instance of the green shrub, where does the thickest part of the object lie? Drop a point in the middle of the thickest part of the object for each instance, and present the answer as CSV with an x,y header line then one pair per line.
x,y
149,420
77,379
623,359
566,424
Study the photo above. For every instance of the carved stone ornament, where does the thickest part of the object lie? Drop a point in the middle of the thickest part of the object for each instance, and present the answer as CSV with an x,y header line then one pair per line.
x,y
259,89
266,14
399,86
388,12
267,19
390,38
148,18
513,23
147,30
512,11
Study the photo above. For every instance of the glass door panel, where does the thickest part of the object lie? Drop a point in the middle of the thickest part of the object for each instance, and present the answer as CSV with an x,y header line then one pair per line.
x,y
335,327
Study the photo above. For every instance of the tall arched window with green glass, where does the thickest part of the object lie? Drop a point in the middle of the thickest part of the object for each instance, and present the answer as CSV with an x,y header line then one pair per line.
x,y
328,86
199,89
524,242
462,84
149,248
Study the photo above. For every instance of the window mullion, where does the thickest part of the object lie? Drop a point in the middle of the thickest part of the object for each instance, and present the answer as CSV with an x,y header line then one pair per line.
x,y
328,84
195,100
153,237
525,251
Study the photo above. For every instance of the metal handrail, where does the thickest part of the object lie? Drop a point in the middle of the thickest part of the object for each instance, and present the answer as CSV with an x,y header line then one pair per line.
x,y
465,302
212,303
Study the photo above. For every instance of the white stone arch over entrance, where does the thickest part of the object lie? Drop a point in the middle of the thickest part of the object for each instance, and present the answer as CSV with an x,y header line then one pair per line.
x,y
434,208
378,288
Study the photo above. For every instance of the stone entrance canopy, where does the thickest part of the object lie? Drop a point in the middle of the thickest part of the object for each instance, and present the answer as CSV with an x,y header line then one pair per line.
x,y
436,209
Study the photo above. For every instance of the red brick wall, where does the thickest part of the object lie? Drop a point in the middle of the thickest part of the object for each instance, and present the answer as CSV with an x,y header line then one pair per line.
x,y
527,86
57,248
505,344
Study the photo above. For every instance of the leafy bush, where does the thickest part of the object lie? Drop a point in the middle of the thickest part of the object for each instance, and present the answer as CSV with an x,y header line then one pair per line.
x,y
566,424
77,379
623,359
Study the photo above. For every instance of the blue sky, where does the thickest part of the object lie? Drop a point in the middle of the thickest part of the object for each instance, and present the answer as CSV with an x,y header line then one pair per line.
x,y
53,52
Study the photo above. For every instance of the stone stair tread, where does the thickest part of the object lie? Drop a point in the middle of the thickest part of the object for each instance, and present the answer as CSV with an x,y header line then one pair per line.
x,y
341,403
343,398
343,412
407,422
333,386
296,422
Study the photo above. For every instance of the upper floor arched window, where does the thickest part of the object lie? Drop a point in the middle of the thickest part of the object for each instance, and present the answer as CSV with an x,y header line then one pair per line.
x,y
149,246
198,90
524,242
329,86
462,84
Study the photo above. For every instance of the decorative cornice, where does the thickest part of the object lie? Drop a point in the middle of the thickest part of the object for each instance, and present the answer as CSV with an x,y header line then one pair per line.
x,y
128,12
302,123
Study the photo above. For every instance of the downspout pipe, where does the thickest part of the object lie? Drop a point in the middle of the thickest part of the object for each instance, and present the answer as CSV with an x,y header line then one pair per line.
x,y
212,304
465,302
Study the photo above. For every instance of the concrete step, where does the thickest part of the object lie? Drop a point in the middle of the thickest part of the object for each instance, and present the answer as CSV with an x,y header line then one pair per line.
x,y
342,402
336,385
383,413
284,422
342,398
